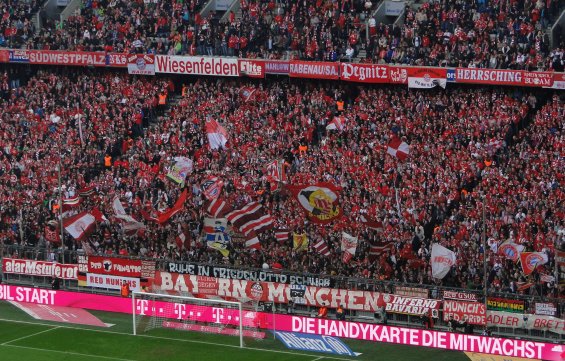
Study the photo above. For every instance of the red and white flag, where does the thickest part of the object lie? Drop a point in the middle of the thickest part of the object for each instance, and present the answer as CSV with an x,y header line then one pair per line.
x,y
511,250
217,208
322,248
86,191
251,218
398,149
531,260
130,224
337,123
376,249
212,187
442,260
247,94
70,203
252,242
282,235
348,246
183,239
217,135
371,223
80,226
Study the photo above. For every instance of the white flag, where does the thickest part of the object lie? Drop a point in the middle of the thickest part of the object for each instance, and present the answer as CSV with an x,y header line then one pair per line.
x,y
442,260
348,246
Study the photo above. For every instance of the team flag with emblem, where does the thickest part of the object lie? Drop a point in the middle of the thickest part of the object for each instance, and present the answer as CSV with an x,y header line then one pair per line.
x,y
319,201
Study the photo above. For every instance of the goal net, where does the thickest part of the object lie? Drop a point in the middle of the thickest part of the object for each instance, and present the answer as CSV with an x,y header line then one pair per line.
x,y
229,319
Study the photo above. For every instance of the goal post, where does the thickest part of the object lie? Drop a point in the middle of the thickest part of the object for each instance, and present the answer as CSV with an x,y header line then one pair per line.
x,y
154,310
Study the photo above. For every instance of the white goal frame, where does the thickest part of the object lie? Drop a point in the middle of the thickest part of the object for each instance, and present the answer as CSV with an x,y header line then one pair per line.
x,y
135,295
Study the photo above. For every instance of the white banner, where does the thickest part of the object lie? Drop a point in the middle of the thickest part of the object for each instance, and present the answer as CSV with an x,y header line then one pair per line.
x,y
426,83
197,65
527,321
111,282
393,7
40,268
546,309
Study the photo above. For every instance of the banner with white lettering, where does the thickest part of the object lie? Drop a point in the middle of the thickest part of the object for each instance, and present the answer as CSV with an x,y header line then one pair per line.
x,y
460,296
252,68
124,267
314,69
40,268
197,65
409,305
111,282
474,313
546,309
248,275
364,73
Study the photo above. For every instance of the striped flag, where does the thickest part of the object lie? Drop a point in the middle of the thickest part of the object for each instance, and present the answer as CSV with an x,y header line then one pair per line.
x,y
70,203
379,248
252,242
217,207
281,235
322,248
371,223
250,218
86,191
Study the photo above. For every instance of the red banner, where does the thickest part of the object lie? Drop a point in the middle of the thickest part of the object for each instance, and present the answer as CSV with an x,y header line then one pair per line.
x,y
314,69
460,296
4,56
398,75
474,313
280,67
114,266
40,268
117,60
364,73
77,58
252,68
538,78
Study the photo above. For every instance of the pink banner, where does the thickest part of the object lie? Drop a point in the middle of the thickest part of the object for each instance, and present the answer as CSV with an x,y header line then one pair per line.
x,y
354,330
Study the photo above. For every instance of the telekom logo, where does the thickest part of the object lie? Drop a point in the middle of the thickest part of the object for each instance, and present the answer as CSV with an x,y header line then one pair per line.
x,y
180,310
143,307
217,314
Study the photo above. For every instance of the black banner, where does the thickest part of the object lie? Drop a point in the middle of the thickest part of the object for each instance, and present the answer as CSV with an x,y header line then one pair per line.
x,y
248,275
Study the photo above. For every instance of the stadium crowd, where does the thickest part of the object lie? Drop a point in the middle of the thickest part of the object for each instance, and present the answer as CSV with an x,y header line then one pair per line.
x,y
485,34
16,26
111,133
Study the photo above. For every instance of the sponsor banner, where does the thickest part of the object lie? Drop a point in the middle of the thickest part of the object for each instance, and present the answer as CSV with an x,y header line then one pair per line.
x,y
451,76
279,67
234,289
40,268
19,56
314,69
427,78
398,74
287,323
527,321
114,266
460,296
197,65
475,356
546,309
314,343
252,68
111,282
502,304
253,275
394,7
473,313
364,73
141,64
411,292
409,305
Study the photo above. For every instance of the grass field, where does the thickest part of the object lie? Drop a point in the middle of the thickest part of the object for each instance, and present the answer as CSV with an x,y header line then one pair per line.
x,y
23,338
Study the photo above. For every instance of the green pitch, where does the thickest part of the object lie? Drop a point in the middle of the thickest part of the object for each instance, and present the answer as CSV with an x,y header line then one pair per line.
x,y
23,338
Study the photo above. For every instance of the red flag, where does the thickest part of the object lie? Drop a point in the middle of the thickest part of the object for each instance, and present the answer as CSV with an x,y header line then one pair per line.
x,y
530,260
251,218
322,248
166,215
52,235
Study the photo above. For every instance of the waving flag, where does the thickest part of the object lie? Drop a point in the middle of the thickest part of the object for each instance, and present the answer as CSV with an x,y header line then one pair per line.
x,y
371,223
212,187
378,248
348,246
70,203
251,218
442,260
322,248
247,94
166,215
52,235
252,242
86,191
300,242
398,149
130,225
511,250
81,225
281,235
319,201
217,207
337,123
220,247
182,167
530,260
217,135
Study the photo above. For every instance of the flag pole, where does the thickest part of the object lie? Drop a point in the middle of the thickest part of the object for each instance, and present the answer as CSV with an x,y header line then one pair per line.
x,y
61,212
483,236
